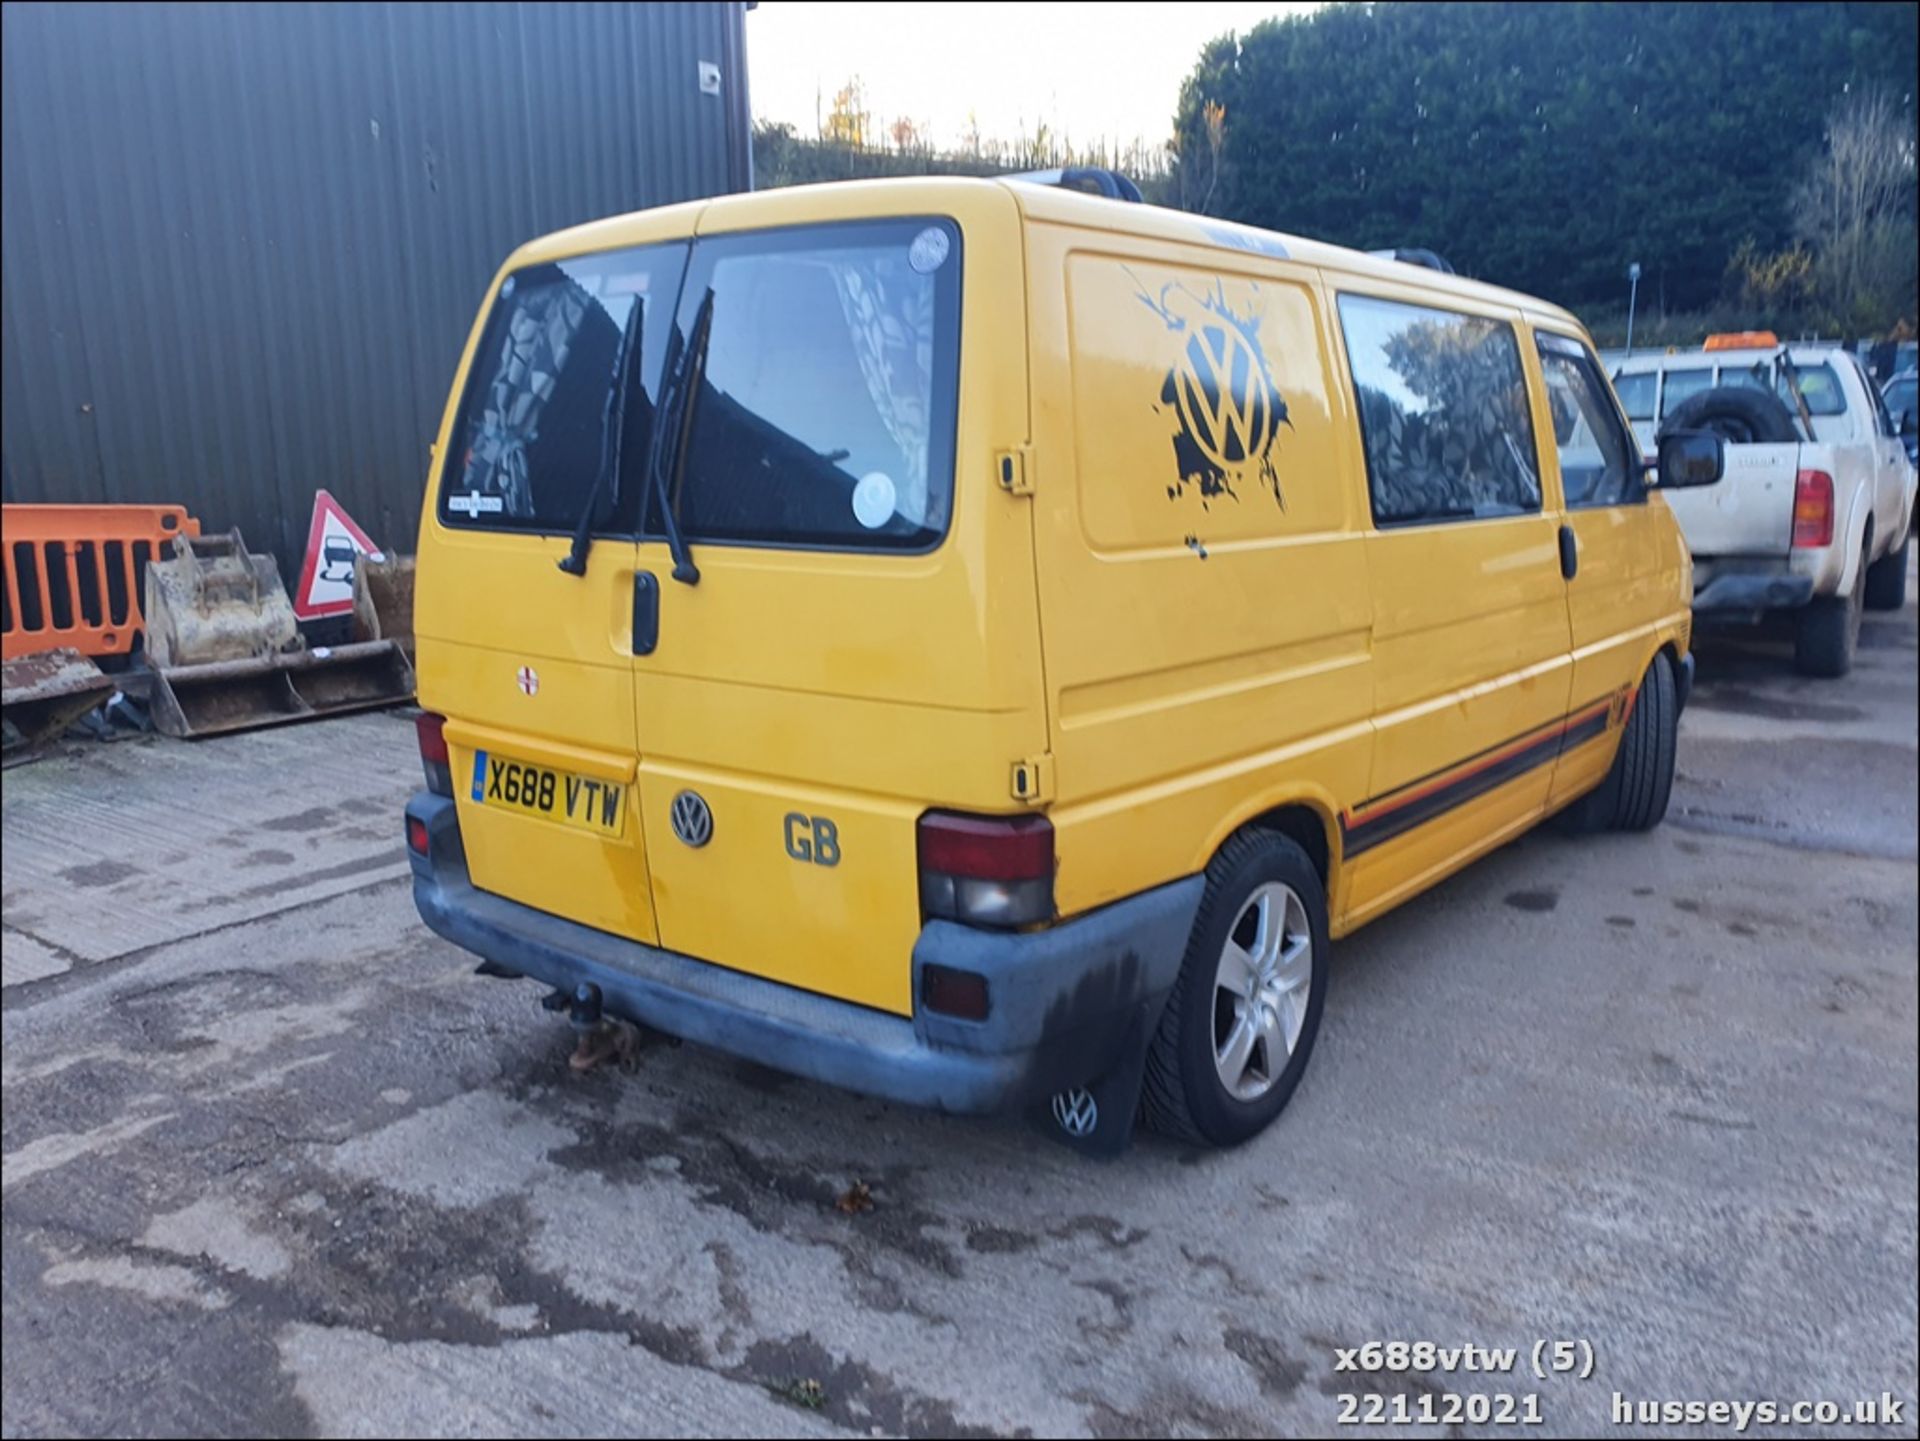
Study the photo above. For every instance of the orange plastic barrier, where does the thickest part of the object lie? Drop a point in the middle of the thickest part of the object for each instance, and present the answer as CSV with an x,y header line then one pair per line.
x,y
75,573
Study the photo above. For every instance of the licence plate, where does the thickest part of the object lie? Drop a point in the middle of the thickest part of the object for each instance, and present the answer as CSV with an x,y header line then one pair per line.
x,y
579,801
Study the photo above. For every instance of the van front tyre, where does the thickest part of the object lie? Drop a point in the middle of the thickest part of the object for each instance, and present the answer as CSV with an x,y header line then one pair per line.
x,y
1887,579
1639,784
1829,631
1240,1022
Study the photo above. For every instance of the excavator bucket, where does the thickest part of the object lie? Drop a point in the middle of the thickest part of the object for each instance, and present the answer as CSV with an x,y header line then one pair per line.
x,y
227,654
43,693
213,600
232,695
383,600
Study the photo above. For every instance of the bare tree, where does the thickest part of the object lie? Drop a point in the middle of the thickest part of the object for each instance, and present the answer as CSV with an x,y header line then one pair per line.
x,y
1188,150
1855,208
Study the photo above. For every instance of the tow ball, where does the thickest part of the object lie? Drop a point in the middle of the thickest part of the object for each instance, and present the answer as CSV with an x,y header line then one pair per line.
x,y
582,1005
601,1038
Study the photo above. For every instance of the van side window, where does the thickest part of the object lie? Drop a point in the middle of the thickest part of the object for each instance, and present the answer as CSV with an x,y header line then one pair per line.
x,y
1596,457
1444,413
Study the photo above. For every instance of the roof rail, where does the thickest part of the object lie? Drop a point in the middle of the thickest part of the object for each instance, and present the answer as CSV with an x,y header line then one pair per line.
x,y
1414,255
1089,178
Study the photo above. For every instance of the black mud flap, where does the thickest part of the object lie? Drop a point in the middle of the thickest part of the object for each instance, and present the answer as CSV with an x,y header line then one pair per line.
x,y
1097,1118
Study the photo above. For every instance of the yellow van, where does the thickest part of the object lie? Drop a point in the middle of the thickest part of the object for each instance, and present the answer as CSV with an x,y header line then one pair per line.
x,y
976,643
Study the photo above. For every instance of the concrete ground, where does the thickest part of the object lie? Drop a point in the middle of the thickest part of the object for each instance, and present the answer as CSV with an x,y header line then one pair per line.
x,y
275,1162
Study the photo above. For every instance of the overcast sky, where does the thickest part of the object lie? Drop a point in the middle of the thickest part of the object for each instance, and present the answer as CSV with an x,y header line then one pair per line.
x,y
1089,71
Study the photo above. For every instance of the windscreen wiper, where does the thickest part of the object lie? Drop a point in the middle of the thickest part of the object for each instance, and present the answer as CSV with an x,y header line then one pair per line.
x,y
613,425
671,420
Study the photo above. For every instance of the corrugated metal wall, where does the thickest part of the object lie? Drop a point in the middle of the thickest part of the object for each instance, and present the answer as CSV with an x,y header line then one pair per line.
x,y
243,244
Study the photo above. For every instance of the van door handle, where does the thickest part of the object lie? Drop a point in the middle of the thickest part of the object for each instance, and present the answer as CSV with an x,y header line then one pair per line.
x,y
646,612
1569,552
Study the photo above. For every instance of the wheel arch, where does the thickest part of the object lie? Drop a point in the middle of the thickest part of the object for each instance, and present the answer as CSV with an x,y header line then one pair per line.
x,y
1858,535
1308,817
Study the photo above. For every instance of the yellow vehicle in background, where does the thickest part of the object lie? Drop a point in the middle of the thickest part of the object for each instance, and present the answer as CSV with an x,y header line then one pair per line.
x,y
976,643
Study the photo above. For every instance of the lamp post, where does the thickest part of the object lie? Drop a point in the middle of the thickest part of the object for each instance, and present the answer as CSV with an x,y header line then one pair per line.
x,y
1633,296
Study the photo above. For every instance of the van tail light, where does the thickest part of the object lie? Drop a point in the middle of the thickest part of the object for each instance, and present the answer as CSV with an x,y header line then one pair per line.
x,y
433,752
1813,509
986,870
417,839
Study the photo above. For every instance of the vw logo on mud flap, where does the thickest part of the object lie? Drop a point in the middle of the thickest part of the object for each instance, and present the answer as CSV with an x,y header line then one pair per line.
x,y
1076,1111
692,821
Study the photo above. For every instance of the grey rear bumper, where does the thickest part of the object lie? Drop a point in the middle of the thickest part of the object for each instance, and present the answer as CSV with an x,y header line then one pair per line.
x,y
1063,1001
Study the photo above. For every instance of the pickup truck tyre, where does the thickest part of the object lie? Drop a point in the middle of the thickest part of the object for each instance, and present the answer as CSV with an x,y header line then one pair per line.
x,y
1887,578
1639,784
1239,1024
1738,414
1829,630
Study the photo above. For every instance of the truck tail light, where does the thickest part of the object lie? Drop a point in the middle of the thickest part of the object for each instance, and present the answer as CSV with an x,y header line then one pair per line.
x,y
1813,509
433,752
986,870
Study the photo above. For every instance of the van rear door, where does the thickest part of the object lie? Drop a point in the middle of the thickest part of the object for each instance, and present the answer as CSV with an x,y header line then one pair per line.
x,y
862,642
533,664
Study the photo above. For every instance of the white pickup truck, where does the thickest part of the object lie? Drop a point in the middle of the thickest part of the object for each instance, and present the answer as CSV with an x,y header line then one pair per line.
x,y
1817,498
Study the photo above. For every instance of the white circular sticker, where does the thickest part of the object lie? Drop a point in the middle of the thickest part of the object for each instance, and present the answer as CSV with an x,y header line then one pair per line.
x,y
873,499
928,251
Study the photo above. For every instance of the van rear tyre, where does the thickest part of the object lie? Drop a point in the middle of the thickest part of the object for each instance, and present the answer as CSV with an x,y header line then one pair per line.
x,y
1639,784
1240,1022
1887,579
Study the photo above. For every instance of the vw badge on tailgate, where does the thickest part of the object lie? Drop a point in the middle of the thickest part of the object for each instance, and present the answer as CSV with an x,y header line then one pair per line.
x,y
692,821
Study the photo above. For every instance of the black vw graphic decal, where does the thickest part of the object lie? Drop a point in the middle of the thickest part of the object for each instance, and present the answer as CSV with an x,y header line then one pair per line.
x,y
1220,394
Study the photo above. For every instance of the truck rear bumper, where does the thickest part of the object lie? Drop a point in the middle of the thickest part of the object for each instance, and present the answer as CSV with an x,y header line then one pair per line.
x,y
1734,593
1062,1001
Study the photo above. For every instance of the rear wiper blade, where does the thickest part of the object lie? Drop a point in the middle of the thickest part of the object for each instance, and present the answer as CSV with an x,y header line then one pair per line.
x,y
671,421
613,425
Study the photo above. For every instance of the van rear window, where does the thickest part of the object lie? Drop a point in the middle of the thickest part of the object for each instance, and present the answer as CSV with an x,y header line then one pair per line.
x,y
532,433
825,412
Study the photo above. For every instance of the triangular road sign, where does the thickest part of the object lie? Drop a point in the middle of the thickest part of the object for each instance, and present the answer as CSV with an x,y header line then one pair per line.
x,y
334,547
